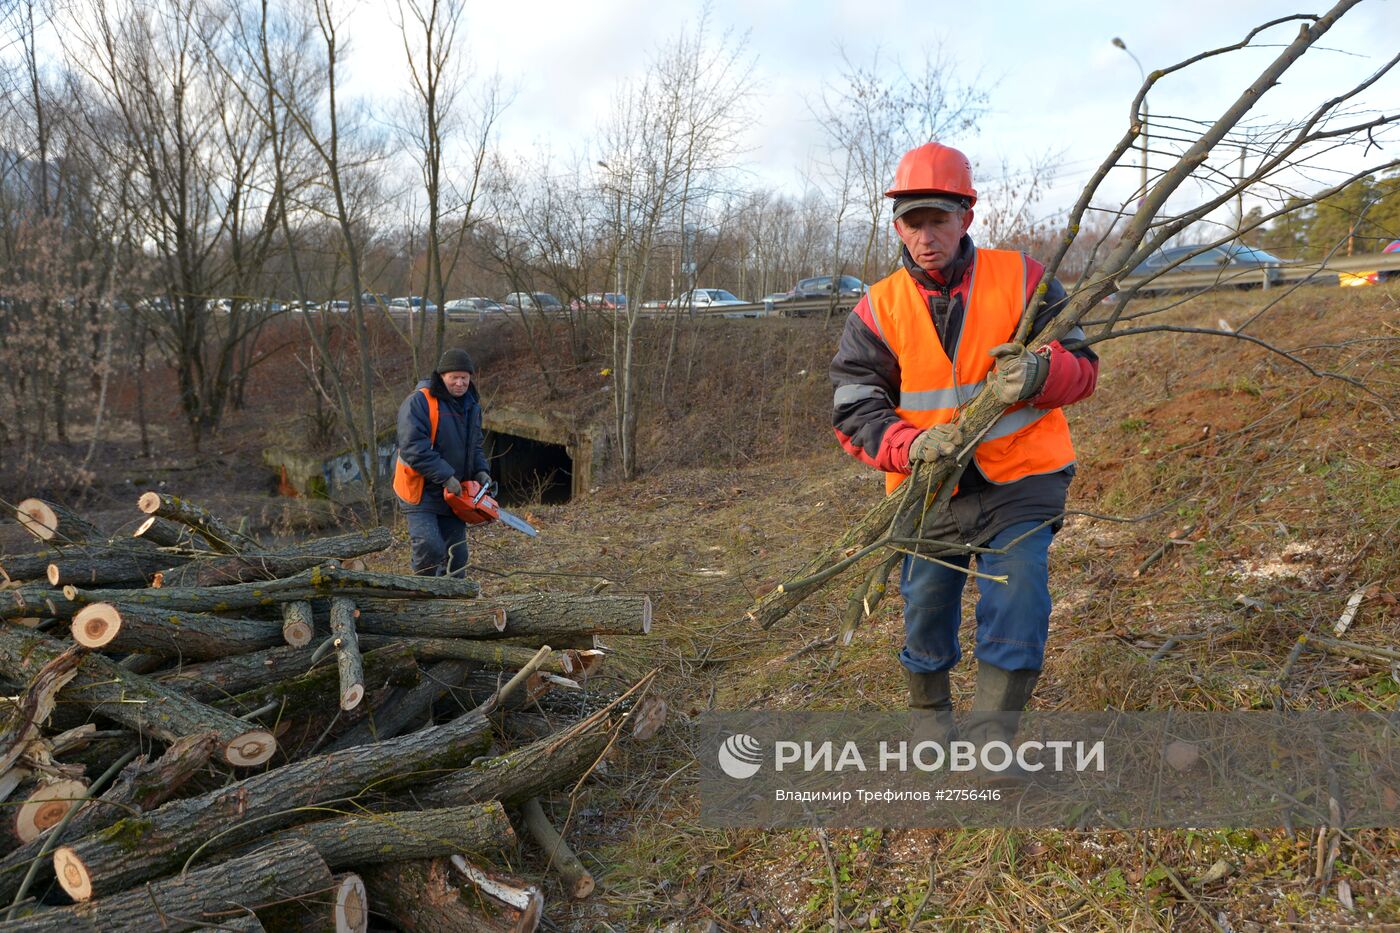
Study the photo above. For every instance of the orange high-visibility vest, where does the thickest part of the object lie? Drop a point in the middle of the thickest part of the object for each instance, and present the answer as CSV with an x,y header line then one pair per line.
x,y
408,482
1026,440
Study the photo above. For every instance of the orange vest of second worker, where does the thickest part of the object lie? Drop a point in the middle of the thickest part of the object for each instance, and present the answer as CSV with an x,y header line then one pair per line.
x,y
408,482
1026,441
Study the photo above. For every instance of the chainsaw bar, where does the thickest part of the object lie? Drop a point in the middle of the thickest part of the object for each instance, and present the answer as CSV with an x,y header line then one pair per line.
x,y
519,524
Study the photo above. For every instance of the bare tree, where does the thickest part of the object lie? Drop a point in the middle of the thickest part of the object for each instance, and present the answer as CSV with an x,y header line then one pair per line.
x,y
343,154
672,133
64,253
896,520
193,154
876,112
429,30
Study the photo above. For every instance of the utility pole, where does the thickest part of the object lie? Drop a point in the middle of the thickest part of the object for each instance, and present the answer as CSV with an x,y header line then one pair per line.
x,y
1119,43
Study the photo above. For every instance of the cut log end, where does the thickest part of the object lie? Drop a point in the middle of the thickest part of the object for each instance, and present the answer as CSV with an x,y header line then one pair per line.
x,y
351,696
46,806
72,874
500,618
646,615
54,574
251,748
351,906
149,503
582,887
96,624
38,518
297,633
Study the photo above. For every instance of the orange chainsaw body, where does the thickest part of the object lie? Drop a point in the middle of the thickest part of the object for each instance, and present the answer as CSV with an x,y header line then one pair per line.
x,y
477,512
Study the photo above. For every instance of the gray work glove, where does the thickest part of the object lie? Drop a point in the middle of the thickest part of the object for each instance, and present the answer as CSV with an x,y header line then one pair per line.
x,y
941,440
485,479
1020,374
454,486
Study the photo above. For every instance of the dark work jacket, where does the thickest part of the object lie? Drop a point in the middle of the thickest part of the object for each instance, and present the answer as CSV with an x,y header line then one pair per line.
x,y
458,451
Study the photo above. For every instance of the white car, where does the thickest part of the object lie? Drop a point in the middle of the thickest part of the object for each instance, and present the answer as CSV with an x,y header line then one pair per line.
x,y
706,298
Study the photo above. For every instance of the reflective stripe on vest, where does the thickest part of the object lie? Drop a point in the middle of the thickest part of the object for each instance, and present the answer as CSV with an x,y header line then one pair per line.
x,y
408,482
1025,441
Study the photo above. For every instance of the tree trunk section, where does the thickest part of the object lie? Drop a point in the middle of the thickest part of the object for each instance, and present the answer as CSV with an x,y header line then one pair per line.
x,y
347,653
430,896
318,581
220,536
49,521
136,849
319,688
198,636
201,898
407,707
298,625
542,615
514,777
489,654
164,533
429,618
370,838
23,567
35,600
270,565
139,702
223,678
129,564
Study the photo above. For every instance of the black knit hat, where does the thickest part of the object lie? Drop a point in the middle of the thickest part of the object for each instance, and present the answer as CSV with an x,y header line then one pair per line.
x,y
455,361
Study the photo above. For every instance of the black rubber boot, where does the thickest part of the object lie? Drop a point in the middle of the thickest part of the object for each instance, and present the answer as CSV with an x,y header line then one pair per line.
x,y
1001,697
931,707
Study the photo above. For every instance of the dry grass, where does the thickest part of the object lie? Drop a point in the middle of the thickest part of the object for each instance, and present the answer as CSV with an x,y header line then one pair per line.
x,y
1291,486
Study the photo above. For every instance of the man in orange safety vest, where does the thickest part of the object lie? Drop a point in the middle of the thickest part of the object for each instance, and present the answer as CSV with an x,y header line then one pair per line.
x,y
920,345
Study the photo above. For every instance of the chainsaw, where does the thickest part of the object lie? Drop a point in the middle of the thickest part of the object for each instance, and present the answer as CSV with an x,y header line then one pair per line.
x,y
475,507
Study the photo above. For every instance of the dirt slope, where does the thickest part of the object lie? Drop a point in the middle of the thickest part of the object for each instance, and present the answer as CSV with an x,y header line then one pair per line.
x,y
1284,492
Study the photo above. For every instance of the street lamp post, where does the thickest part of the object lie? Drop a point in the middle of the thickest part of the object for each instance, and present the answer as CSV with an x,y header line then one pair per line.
x,y
1119,43
617,233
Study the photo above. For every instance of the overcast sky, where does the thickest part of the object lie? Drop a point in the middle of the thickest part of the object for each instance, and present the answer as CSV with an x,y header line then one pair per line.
x,y
1056,82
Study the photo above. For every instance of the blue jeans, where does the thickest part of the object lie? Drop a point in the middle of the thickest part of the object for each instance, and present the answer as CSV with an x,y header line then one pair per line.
x,y
1012,618
439,544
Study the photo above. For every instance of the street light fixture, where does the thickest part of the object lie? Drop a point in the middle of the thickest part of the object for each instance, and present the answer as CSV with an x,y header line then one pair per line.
x,y
617,234
1119,43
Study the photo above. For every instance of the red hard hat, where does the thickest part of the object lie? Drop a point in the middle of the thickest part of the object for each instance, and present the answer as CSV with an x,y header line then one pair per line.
x,y
933,169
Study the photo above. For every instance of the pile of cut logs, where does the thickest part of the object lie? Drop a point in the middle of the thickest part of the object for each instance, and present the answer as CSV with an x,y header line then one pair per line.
x,y
202,731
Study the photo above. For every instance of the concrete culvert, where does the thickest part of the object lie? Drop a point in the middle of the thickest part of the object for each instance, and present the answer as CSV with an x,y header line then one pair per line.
x,y
529,470
538,456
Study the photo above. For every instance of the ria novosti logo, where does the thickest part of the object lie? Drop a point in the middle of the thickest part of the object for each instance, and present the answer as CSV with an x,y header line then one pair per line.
x,y
740,756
